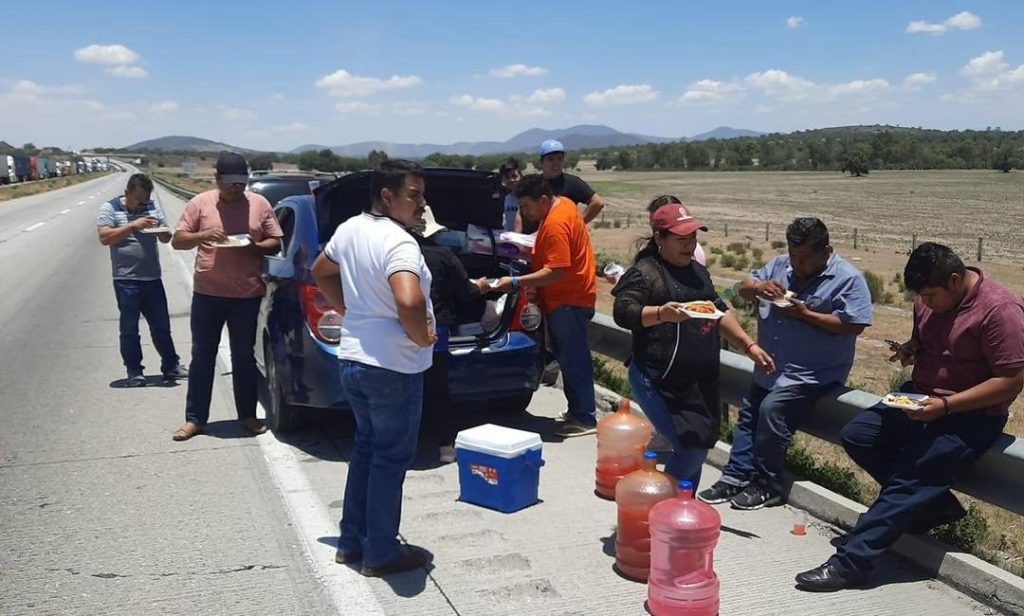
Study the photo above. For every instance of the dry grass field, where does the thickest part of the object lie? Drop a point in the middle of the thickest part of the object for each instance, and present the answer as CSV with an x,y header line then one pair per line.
x,y
14,191
887,208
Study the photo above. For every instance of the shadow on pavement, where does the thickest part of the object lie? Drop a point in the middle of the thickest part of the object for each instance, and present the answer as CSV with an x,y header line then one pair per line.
x,y
153,380
405,584
226,429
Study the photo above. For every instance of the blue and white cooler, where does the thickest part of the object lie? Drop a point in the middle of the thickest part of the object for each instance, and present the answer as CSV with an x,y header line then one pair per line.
x,y
499,467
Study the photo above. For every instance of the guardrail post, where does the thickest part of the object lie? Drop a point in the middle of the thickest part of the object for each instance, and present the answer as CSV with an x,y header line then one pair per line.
x,y
855,238
980,241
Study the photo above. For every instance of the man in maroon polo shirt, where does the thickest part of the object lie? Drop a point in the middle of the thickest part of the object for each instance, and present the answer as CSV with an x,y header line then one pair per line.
x,y
967,349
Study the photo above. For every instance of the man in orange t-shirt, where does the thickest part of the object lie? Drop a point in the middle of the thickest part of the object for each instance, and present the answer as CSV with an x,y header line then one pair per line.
x,y
565,272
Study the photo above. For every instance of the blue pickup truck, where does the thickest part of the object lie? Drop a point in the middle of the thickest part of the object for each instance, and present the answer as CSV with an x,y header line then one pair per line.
x,y
497,361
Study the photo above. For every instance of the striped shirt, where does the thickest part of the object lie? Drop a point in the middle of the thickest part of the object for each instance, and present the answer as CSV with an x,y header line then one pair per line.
x,y
137,256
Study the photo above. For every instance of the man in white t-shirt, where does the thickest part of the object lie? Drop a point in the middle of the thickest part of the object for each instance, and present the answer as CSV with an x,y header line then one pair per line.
x,y
373,273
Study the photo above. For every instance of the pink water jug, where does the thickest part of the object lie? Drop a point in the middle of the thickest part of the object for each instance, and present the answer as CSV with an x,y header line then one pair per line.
x,y
684,532
621,440
635,494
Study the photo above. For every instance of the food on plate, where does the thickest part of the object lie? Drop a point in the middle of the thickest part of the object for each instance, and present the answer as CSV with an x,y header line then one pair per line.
x,y
157,230
233,241
905,401
702,307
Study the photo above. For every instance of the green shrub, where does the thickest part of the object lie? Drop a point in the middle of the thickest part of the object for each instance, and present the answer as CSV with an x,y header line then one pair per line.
x,y
757,264
617,224
777,244
712,261
615,382
738,247
728,260
742,263
898,379
602,259
876,285
716,250
967,533
840,480
757,253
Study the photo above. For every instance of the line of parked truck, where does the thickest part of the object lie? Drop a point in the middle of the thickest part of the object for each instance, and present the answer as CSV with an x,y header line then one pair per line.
x,y
16,168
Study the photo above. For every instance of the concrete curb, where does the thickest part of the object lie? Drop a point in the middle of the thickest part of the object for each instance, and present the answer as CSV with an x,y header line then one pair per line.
x,y
967,573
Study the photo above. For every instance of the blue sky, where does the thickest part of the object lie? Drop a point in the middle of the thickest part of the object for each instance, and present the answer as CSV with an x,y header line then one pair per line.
x,y
275,75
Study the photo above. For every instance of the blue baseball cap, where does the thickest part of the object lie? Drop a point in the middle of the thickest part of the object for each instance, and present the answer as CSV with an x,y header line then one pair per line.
x,y
550,146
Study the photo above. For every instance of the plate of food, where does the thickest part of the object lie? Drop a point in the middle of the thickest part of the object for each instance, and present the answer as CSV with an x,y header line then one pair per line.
x,y
233,241
157,230
701,310
907,402
785,301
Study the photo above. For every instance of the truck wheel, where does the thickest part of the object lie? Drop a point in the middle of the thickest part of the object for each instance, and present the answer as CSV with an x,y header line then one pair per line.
x,y
281,416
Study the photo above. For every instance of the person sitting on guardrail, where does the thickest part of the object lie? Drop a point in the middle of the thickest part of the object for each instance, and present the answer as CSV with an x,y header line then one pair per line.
x,y
812,306
613,273
565,275
967,350
135,258
450,287
675,363
372,271
227,290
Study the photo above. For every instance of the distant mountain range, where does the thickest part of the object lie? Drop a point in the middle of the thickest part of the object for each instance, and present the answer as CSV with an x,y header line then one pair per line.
x,y
580,137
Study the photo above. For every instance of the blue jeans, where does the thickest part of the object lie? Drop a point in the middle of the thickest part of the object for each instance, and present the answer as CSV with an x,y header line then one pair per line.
x,y
768,419
686,463
915,464
568,327
146,298
209,314
387,407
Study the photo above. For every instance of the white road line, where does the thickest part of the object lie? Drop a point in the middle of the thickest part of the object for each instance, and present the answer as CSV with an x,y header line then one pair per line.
x,y
92,196
349,591
65,211
81,203
35,226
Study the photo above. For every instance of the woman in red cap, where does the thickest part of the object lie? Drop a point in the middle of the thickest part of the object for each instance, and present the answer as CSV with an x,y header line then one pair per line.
x,y
675,363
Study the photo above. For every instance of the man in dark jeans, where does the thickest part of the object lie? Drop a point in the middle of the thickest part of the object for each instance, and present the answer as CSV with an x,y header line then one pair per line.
x,y
233,229
915,455
131,226
813,305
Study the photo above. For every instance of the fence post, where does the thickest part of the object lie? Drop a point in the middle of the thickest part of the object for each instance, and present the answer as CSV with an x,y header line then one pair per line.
x,y
726,229
855,238
766,227
980,241
913,243
602,218
628,218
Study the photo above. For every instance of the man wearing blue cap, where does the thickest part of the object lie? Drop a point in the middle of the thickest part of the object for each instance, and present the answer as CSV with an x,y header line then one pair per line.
x,y
552,166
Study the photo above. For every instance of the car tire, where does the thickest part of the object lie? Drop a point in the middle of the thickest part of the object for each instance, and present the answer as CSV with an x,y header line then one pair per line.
x,y
281,415
512,405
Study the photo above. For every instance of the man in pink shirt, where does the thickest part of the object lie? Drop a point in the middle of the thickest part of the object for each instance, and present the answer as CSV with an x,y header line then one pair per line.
x,y
967,349
233,229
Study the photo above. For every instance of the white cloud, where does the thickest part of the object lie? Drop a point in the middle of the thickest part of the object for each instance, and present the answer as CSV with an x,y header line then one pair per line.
x,y
917,80
858,87
409,108
341,83
550,95
31,88
357,108
106,54
478,103
129,72
964,20
235,114
794,22
622,95
517,70
277,96
162,107
986,64
294,127
709,91
780,84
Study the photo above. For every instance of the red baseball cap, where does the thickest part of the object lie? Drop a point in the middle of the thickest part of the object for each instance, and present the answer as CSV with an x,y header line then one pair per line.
x,y
676,218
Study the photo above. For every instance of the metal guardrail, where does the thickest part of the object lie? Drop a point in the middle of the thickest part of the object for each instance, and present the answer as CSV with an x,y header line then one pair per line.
x,y
998,478
181,192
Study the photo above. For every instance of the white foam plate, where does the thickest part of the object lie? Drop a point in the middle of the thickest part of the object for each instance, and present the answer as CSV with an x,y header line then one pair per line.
x,y
157,230
234,241
894,400
784,302
713,316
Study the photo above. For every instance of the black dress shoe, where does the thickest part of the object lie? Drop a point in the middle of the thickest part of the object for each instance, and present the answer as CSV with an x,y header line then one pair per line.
x,y
407,560
828,578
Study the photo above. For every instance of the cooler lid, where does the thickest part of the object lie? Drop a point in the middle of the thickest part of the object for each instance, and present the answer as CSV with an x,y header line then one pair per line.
x,y
497,440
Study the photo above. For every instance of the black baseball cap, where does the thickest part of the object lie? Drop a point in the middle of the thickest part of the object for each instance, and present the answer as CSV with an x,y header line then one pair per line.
x,y
232,168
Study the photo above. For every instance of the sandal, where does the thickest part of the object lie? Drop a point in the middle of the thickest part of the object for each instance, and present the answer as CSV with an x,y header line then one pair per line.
x,y
186,431
253,426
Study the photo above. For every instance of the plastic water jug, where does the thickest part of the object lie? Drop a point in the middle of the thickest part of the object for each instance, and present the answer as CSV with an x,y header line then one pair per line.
x,y
635,494
684,532
621,440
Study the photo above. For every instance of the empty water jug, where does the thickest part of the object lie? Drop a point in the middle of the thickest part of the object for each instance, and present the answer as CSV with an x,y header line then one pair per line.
x,y
621,440
684,532
635,494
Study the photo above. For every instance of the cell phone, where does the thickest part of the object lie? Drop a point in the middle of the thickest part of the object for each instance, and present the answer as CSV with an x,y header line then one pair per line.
x,y
893,344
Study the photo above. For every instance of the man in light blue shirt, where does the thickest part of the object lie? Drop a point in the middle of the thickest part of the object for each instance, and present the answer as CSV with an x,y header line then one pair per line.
x,y
813,305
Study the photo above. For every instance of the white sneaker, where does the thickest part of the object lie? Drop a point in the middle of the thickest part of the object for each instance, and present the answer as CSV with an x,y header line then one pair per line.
x,y
447,454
